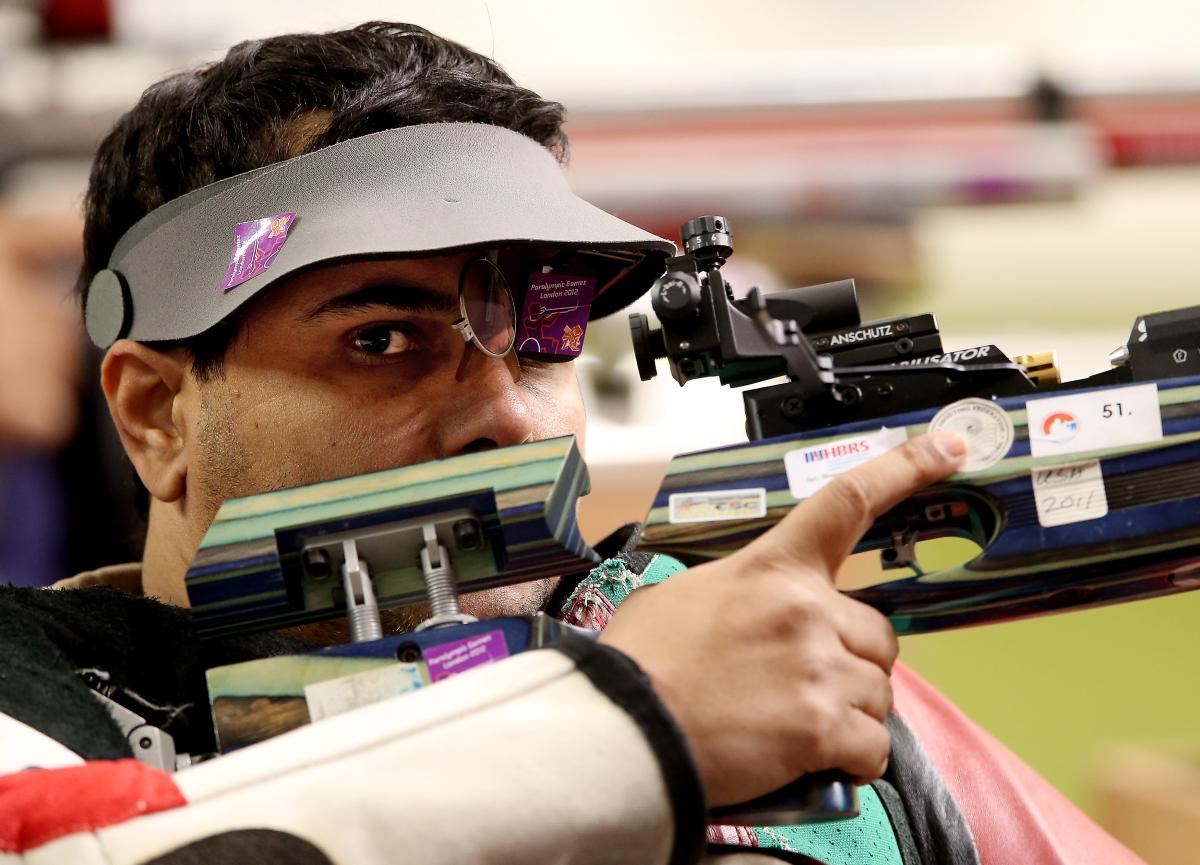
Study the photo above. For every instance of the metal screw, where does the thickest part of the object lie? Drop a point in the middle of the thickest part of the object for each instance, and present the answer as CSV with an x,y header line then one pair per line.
x,y
316,563
820,342
144,743
901,327
685,345
884,390
847,394
467,536
408,653
792,407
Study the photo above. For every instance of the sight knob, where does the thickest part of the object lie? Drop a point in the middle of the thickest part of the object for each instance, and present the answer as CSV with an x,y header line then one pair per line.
x,y
676,295
707,238
648,345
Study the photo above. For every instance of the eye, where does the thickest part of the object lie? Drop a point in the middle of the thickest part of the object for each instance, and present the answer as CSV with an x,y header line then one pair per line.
x,y
383,340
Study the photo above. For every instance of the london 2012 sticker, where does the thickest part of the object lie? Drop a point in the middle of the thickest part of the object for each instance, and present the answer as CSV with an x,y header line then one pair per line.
x,y
984,426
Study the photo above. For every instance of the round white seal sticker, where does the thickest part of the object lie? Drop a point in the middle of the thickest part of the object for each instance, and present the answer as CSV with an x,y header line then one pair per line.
x,y
985,427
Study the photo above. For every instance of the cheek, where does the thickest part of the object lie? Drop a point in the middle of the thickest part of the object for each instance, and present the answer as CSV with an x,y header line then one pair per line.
x,y
557,403
298,431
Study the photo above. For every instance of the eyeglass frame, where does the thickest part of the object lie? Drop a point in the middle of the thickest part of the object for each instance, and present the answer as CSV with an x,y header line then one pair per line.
x,y
463,325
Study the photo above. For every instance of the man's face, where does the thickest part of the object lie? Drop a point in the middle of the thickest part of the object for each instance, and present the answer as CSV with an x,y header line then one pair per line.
x,y
354,368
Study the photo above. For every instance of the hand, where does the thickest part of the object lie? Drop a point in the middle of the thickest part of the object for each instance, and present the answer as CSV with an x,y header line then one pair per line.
x,y
768,669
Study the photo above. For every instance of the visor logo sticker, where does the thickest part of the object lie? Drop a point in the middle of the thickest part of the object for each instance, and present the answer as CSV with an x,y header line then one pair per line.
x,y
555,314
572,337
255,245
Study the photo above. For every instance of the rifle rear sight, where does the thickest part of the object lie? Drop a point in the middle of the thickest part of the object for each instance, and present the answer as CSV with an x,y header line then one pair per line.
x,y
840,369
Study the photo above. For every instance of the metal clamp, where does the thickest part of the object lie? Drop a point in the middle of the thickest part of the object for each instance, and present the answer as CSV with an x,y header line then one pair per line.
x,y
362,611
441,584
150,744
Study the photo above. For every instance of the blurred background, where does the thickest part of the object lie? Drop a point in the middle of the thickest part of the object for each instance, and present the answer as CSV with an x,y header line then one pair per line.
x,y
1028,172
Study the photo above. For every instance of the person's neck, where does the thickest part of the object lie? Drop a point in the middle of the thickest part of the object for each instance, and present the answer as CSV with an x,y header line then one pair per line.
x,y
167,554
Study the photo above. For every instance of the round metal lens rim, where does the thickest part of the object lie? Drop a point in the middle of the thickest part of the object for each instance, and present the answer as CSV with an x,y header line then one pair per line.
x,y
462,305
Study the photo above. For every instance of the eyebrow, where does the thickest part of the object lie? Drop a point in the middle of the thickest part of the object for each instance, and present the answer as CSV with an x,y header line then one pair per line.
x,y
397,296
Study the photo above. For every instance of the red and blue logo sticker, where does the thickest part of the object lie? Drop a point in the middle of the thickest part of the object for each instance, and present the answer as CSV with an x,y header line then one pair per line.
x,y
1060,427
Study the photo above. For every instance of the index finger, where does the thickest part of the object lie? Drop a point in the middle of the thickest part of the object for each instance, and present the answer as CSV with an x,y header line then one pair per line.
x,y
825,528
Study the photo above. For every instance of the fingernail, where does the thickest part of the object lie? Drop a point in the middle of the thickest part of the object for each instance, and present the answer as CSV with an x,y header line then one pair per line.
x,y
952,446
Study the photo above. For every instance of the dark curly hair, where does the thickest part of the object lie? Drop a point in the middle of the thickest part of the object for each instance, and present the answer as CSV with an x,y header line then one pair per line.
x,y
271,99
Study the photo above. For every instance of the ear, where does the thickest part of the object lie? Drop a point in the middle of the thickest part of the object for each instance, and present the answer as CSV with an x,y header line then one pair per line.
x,y
143,388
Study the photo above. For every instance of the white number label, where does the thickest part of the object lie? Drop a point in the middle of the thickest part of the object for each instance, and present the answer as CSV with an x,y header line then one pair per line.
x,y
1094,421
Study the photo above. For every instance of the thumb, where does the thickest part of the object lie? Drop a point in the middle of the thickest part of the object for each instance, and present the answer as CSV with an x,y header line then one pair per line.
x,y
825,528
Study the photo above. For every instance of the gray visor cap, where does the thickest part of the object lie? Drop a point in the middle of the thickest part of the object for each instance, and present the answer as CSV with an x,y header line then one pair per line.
x,y
425,189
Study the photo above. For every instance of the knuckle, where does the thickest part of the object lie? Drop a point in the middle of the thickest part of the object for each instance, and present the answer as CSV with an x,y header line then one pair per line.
x,y
817,730
882,626
889,695
893,646
872,753
884,748
798,604
923,455
880,703
853,491
817,668
797,612
876,764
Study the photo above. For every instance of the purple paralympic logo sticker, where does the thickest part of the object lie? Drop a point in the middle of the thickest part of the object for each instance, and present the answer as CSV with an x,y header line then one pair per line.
x,y
457,656
555,315
255,245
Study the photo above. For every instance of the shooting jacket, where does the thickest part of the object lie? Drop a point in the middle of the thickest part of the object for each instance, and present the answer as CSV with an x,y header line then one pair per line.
x,y
560,755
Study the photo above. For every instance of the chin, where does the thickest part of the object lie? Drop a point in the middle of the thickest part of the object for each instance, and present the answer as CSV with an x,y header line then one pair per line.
x,y
517,600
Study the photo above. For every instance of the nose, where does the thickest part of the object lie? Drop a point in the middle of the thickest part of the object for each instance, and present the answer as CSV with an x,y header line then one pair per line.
x,y
486,407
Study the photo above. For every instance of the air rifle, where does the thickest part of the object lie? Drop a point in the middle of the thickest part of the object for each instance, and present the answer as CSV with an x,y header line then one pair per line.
x,y
1079,493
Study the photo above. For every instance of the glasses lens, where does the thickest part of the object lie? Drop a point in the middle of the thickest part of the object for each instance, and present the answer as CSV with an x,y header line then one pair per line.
x,y
488,306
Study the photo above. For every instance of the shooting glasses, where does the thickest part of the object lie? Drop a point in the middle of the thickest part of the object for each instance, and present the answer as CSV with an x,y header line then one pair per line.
x,y
423,190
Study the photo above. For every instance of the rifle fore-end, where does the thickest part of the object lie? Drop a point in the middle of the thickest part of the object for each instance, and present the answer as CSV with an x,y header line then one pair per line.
x,y
1144,542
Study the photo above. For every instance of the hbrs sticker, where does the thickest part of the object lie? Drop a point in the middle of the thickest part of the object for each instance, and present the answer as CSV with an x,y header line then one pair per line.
x,y
809,469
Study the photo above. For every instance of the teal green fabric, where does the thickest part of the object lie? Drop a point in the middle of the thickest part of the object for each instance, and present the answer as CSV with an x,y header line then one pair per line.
x,y
615,581
868,839
660,568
